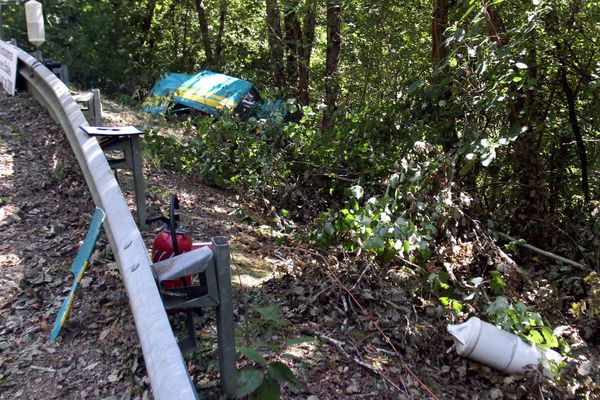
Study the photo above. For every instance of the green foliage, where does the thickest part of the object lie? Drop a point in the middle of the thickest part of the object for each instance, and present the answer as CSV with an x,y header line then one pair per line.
x,y
444,291
527,324
285,162
404,220
497,283
493,92
270,319
5,381
248,380
262,379
227,152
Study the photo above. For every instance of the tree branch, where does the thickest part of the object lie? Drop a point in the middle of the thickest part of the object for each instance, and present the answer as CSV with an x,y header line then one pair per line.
x,y
545,253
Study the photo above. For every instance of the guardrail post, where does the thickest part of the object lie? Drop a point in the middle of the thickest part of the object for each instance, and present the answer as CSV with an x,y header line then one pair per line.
x,y
96,107
130,146
138,181
225,324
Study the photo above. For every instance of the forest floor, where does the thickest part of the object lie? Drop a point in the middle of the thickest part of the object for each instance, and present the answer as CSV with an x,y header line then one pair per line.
x,y
293,304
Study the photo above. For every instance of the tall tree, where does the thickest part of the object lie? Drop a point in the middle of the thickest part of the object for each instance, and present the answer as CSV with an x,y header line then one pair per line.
x,y
571,100
305,52
526,151
332,62
293,36
275,37
222,18
147,21
203,23
439,24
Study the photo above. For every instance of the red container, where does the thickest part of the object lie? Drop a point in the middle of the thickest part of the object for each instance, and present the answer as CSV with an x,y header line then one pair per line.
x,y
162,248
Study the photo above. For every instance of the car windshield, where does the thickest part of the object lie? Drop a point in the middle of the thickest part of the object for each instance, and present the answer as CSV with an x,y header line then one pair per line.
x,y
250,101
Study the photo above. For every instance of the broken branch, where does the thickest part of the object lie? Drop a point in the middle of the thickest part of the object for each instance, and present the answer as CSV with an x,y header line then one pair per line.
x,y
545,253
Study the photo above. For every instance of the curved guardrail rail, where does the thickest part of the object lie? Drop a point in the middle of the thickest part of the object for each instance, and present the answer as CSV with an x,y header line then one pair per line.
x,y
166,368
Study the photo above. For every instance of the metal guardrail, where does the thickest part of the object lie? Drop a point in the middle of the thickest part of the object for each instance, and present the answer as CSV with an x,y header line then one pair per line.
x,y
166,368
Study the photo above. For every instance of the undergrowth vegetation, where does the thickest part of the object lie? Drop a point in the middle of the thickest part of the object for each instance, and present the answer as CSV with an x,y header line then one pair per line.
x,y
396,202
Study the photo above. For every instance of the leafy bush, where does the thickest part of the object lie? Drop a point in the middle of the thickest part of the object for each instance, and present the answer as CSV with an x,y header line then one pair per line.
x,y
405,219
263,379
226,152
527,324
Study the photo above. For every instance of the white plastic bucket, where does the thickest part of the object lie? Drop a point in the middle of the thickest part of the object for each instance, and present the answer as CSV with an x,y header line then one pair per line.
x,y
497,348
35,22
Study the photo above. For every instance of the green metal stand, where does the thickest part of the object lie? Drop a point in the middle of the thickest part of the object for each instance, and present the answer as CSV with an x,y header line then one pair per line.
x,y
213,271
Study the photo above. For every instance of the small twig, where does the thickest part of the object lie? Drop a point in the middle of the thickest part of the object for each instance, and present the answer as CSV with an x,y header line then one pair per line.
x,y
244,297
509,261
371,395
345,304
408,262
360,276
513,266
45,369
416,315
344,324
522,243
394,306
239,275
386,352
321,292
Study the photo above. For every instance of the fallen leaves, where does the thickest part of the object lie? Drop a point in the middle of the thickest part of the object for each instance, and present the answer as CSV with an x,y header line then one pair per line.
x,y
42,219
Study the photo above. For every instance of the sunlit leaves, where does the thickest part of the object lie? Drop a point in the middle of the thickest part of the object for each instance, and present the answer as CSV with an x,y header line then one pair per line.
x,y
497,283
521,65
357,192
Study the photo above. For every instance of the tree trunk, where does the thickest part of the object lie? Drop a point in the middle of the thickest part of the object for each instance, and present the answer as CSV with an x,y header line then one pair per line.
x,y
186,56
557,161
332,61
305,52
496,28
203,22
222,18
439,23
174,25
292,42
147,22
571,99
275,35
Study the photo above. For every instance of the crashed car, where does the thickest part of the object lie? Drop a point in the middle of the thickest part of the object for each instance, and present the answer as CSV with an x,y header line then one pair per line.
x,y
210,93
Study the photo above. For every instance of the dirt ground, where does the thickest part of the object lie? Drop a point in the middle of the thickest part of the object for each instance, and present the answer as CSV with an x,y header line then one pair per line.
x,y
288,302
